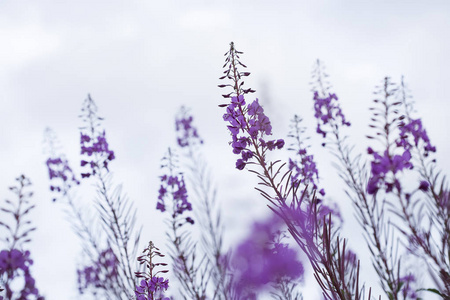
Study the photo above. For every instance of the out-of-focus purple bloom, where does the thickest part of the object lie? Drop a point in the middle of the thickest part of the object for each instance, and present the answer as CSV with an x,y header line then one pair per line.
x,y
327,110
415,129
260,260
13,263
424,185
11,260
173,190
381,166
61,175
302,166
176,187
102,273
187,133
96,146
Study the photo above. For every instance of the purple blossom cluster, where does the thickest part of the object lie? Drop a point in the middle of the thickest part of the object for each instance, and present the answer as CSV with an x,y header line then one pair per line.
x,y
383,166
262,259
187,133
155,285
102,273
327,110
305,170
414,129
175,188
14,264
97,147
248,126
152,286
61,175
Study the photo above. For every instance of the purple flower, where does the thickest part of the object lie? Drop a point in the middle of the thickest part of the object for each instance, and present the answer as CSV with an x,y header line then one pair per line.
x,y
14,262
61,175
93,143
327,110
187,133
424,185
102,273
381,166
240,164
303,167
173,189
247,124
416,130
263,259
98,147
151,286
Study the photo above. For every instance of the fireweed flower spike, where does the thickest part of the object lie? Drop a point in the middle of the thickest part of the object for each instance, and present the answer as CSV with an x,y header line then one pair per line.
x,y
101,275
152,286
303,166
207,213
98,276
336,274
370,212
115,210
62,182
59,172
248,124
15,263
429,242
386,166
94,145
187,135
173,198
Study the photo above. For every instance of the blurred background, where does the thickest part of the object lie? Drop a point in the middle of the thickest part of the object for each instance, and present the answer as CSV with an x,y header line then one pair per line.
x,y
142,60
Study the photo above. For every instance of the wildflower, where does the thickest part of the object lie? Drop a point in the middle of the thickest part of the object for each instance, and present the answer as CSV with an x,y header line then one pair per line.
x,y
13,262
327,111
424,185
151,287
187,133
263,259
381,166
173,189
247,123
415,129
103,272
93,143
99,149
61,175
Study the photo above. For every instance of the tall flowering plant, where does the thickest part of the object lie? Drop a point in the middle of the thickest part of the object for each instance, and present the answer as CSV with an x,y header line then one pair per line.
x,y
335,268
15,261
397,217
152,286
173,198
109,269
379,192
207,212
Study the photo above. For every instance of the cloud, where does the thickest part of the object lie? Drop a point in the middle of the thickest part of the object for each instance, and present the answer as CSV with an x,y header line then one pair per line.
x,y
205,20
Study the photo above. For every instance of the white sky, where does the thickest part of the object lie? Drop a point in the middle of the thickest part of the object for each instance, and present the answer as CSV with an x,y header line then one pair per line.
x,y
142,60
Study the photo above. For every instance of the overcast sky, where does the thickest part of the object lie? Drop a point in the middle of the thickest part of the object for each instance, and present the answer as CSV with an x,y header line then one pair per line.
x,y
142,60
